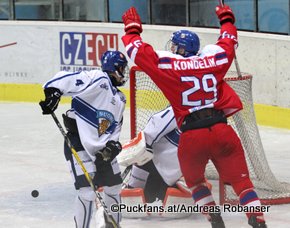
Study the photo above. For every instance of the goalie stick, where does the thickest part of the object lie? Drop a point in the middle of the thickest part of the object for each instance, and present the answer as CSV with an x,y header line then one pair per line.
x,y
7,45
126,172
221,3
87,175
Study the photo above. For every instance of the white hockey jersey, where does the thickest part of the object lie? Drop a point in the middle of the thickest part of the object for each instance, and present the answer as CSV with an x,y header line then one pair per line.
x,y
162,134
98,106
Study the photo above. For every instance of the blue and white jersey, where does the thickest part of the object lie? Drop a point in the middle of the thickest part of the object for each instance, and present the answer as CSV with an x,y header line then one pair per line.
x,y
97,106
162,134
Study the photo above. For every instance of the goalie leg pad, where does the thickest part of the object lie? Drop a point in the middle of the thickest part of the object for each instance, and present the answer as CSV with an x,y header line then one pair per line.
x,y
175,196
138,177
132,197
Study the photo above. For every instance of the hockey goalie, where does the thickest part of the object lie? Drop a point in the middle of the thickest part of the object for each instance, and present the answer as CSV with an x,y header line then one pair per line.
x,y
156,177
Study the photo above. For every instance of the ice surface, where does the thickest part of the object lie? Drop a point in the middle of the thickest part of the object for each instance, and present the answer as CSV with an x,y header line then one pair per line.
x,y
32,157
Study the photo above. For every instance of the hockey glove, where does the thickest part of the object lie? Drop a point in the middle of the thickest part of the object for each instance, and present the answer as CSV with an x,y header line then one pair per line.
x,y
225,14
112,149
132,21
52,98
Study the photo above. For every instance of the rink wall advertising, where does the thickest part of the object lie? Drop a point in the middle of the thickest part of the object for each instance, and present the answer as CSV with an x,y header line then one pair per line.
x,y
83,51
33,52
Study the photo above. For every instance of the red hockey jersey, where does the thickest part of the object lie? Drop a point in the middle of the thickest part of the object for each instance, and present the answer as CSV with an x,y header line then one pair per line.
x,y
190,83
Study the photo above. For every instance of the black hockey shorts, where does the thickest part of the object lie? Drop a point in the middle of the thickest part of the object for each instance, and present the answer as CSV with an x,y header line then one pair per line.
x,y
155,186
104,176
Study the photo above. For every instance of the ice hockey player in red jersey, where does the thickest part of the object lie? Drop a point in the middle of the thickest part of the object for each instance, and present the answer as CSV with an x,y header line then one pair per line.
x,y
201,100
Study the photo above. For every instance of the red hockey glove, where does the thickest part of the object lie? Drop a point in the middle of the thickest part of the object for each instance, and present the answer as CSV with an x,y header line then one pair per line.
x,y
132,21
225,13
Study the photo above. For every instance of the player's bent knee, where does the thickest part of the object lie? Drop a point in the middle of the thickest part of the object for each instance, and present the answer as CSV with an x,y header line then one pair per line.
x,y
87,193
113,190
192,184
242,185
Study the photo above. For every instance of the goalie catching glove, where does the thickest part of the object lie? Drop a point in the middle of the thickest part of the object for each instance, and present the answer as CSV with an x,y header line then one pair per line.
x,y
112,149
135,152
52,98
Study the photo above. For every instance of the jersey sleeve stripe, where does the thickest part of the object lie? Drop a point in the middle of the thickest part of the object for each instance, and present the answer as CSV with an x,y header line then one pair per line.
x,y
164,66
222,61
131,51
60,78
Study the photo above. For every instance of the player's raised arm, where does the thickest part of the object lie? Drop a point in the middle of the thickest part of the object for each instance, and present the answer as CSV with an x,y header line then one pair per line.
x,y
228,39
132,22
136,49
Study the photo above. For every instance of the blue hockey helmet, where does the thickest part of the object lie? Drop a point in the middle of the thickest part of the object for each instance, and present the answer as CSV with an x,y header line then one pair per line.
x,y
115,64
185,43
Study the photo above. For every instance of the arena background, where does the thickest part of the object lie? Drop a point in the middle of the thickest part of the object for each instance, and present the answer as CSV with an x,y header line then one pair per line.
x,y
32,52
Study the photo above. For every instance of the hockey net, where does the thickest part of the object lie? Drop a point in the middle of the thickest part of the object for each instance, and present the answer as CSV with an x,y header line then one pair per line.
x,y
147,99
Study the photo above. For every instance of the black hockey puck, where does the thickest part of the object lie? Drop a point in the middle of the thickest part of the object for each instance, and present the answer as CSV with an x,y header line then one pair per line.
x,y
34,193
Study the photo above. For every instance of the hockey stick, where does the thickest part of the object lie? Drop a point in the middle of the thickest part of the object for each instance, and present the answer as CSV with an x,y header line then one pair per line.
x,y
126,172
7,45
87,175
235,58
221,3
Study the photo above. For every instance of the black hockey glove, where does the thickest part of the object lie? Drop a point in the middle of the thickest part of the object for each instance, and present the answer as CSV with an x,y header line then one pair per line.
x,y
112,149
52,98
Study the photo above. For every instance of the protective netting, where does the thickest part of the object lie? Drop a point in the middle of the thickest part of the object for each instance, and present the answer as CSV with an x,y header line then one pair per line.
x,y
148,99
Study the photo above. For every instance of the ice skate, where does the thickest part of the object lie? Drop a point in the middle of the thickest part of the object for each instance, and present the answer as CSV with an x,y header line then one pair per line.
x,y
108,223
100,218
255,224
216,220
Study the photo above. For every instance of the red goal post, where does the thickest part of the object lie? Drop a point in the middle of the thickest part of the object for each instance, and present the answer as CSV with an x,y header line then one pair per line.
x,y
147,99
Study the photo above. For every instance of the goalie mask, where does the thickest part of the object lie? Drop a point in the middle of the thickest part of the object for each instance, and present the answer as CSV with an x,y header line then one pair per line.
x,y
114,63
183,42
